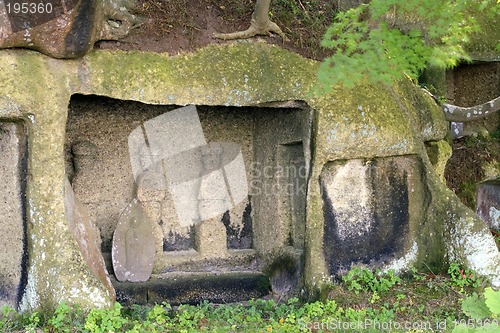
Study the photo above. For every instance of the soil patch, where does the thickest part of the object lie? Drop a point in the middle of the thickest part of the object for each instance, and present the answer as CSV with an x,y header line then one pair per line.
x,y
186,25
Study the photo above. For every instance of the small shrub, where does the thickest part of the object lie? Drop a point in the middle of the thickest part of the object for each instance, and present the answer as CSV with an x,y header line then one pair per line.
x,y
61,319
105,320
31,322
463,277
9,319
362,279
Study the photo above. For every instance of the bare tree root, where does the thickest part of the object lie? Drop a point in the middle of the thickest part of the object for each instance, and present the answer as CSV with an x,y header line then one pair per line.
x,y
259,25
117,20
252,31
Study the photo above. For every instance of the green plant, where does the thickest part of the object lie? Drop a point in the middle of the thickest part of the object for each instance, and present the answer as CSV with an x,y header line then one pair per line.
x,y
8,319
480,308
496,235
363,279
416,275
105,320
61,319
463,277
159,315
32,321
384,40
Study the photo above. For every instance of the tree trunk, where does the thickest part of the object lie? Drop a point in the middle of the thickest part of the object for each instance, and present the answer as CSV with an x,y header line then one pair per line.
x,y
259,25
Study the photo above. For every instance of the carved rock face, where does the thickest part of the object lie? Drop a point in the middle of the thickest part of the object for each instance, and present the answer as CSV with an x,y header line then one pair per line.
x,y
13,242
63,28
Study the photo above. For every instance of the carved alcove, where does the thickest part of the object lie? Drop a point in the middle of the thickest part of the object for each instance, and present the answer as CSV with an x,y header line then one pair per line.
x,y
372,209
238,253
13,240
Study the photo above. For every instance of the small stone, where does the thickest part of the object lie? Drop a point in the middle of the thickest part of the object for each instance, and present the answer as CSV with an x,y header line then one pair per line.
x,y
133,250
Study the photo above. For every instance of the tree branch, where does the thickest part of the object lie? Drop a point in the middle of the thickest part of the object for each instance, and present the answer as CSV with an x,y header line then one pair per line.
x,y
464,114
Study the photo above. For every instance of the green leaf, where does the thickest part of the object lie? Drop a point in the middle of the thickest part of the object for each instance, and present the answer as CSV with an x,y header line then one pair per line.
x,y
475,307
492,300
461,329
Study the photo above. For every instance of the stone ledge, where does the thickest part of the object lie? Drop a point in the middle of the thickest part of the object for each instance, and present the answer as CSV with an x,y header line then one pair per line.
x,y
193,289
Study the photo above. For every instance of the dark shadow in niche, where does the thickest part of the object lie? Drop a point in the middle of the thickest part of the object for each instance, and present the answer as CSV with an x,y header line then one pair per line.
x,y
178,242
24,210
240,238
391,210
386,237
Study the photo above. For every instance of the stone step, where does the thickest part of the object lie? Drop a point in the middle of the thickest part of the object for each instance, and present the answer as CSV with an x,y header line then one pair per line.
x,y
194,288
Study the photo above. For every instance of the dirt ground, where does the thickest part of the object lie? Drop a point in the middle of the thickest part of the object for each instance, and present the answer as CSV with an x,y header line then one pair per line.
x,y
177,26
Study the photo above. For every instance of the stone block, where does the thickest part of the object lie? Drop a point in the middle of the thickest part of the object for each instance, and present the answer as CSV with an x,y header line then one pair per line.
x,y
64,29
86,235
488,202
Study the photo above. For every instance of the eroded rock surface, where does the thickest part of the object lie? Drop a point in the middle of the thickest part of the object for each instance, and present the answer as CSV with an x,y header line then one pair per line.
x,y
488,202
64,28
86,235
371,210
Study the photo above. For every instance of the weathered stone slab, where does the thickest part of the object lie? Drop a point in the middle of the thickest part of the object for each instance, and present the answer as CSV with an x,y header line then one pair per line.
x,y
86,235
366,123
488,202
13,255
133,251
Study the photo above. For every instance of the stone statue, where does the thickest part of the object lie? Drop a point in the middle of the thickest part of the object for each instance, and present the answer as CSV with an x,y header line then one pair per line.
x,y
133,246
133,250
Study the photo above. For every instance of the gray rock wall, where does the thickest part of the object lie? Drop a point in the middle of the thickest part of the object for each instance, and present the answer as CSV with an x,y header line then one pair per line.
x,y
372,210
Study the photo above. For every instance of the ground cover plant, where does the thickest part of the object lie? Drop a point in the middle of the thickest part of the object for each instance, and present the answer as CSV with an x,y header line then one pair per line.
x,y
363,300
